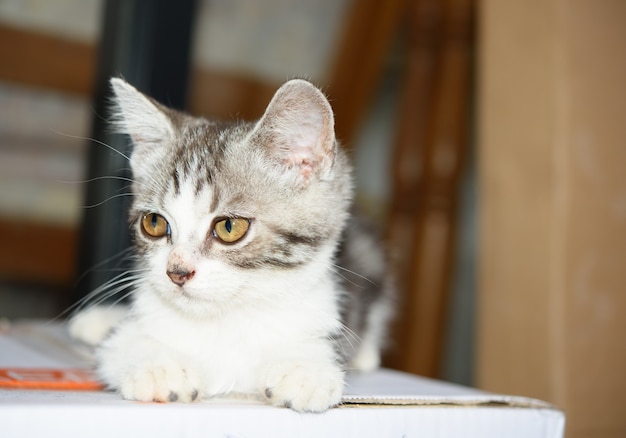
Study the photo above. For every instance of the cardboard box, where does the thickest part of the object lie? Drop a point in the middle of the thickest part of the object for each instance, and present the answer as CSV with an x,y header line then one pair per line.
x,y
381,404
552,161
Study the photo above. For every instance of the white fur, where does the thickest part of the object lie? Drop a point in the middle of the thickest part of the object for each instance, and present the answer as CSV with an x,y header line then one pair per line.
x,y
92,325
254,348
227,330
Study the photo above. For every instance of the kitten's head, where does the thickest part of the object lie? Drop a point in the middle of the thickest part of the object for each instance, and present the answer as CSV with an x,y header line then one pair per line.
x,y
233,214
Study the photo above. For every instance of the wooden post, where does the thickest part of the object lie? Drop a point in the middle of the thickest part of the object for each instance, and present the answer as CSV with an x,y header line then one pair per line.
x,y
429,159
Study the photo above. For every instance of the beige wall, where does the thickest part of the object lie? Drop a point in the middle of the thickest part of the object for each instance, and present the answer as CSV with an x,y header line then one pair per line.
x,y
552,163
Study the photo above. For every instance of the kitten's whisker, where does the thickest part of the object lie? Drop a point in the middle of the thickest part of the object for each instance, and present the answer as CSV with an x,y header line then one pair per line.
x,y
99,297
99,178
77,306
357,285
122,298
120,195
118,279
354,273
104,262
348,280
78,137
111,279
350,335
94,297
121,270
126,187
112,293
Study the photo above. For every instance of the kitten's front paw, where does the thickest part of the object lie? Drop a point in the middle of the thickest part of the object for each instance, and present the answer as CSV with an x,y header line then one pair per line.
x,y
92,325
305,387
161,383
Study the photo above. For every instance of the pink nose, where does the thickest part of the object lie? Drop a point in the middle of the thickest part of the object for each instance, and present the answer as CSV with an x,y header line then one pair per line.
x,y
180,276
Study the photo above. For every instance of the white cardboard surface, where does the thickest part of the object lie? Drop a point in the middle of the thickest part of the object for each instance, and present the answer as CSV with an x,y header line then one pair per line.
x,y
381,404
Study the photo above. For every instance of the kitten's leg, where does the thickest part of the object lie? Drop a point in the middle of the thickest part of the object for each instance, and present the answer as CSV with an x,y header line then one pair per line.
x,y
93,324
367,357
141,368
307,379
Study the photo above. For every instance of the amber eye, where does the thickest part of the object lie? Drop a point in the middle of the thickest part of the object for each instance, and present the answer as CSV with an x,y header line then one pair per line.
x,y
155,225
231,230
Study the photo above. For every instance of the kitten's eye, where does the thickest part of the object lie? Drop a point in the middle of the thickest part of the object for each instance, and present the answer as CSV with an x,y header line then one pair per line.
x,y
231,230
155,225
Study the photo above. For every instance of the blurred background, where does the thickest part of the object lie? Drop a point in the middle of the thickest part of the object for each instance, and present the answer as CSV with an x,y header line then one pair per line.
x,y
489,143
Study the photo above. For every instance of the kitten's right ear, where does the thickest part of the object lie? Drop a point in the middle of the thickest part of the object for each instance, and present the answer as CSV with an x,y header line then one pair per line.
x,y
145,121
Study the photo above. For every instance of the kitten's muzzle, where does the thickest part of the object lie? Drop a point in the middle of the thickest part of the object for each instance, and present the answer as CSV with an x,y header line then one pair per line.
x,y
180,276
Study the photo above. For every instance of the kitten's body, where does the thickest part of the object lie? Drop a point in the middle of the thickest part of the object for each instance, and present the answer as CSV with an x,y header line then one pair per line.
x,y
261,315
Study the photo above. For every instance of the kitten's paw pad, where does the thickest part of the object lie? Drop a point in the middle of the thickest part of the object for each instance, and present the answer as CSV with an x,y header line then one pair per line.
x,y
305,388
161,384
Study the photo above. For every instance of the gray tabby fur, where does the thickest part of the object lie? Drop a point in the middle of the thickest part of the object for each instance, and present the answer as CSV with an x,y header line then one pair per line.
x,y
288,175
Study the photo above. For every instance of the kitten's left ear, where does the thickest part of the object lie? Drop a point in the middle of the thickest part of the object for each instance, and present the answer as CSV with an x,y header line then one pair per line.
x,y
298,128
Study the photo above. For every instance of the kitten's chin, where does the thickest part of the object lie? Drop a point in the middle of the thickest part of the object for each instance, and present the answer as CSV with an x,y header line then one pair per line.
x,y
195,303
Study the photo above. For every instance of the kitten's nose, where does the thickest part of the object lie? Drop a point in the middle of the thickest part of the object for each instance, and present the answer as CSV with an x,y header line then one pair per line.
x,y
180,276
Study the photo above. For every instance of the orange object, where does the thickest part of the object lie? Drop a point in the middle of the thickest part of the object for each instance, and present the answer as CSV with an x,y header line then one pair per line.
x,y
51,379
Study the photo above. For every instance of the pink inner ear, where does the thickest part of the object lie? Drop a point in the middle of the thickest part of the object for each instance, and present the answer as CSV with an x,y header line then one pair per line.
x,y
303,146
303,136
298,123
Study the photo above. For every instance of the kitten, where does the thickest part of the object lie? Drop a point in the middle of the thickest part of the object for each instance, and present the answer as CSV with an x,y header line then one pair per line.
x,y
237,230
